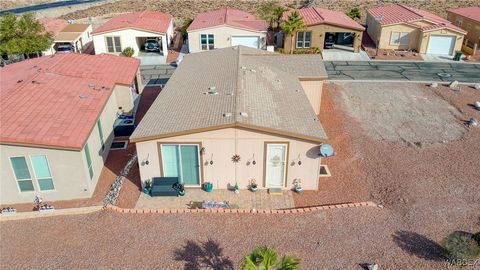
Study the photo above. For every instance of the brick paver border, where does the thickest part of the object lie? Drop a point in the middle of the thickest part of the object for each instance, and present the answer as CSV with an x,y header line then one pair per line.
x,y
250,211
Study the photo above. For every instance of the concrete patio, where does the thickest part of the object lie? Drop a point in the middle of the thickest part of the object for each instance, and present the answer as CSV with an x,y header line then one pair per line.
x,y
244,200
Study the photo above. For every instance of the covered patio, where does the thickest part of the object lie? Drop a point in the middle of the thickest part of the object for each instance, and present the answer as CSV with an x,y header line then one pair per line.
x,y
194,198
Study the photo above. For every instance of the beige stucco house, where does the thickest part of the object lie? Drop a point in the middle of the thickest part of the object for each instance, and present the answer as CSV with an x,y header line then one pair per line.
x,y
57,116
133,30
237,102
225,28
324,26
468,18
75,34
399,27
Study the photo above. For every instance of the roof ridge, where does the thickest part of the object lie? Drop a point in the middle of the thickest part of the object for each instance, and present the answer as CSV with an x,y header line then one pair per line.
x,y
316,11
411,10
236,92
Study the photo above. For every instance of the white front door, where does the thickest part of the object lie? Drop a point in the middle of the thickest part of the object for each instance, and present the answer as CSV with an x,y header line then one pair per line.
x,y
276,161
252,42
441,45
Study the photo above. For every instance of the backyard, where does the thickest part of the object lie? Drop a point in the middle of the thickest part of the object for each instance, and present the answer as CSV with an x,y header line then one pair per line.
x,y
428,185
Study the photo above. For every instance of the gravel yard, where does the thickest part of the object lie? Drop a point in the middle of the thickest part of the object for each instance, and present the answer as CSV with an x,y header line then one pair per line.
x,y
428,191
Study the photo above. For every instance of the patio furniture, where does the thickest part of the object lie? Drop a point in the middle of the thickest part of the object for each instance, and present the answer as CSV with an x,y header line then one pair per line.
x,y
164,186
214,204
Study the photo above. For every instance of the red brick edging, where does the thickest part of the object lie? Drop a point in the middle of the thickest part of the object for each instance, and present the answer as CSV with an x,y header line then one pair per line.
x,y
252,211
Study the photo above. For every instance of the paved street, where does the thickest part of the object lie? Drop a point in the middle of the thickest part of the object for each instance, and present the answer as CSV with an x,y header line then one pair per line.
x,y
403,71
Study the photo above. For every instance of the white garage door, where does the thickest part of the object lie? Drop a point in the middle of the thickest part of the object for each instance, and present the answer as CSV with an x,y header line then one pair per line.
x,y
440,44
253,42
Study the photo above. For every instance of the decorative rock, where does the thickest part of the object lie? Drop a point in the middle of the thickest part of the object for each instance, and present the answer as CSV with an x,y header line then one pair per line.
x,y
434,85
373,266
454,85
472,122
477,105
477,86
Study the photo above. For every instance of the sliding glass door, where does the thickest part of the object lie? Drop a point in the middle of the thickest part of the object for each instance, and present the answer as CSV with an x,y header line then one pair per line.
x,y
182,161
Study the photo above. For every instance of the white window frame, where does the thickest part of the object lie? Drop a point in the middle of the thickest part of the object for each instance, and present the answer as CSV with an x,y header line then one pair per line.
x,y
17,180
35,175
303,40
180,164
114,44
399,36
207,44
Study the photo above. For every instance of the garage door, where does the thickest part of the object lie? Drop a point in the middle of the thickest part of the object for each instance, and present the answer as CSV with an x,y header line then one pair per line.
x,y
440,44
252,42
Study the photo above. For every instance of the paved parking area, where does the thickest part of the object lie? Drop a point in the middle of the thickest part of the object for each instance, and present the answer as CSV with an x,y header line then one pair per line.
x,y
195,196
156,75
403,71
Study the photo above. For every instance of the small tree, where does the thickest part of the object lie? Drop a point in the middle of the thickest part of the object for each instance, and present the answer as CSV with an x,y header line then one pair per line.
x,y
272,13
128,52
183,29
460,246
23,35
278,16
354,13
292,25
267,258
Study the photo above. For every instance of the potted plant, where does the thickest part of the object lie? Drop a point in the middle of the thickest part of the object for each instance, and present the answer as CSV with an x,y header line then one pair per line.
x,y
236,188
147,187
253,185
298,185
181,190
208,186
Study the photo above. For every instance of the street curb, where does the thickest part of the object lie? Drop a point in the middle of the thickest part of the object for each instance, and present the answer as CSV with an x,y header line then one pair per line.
x,y
240,211
56,212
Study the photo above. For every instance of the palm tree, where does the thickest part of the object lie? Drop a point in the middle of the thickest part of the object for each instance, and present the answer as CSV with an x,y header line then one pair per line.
x,y
278,15
266,258
292,25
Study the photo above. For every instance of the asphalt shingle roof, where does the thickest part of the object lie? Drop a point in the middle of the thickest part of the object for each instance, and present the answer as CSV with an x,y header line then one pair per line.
x,y
263,85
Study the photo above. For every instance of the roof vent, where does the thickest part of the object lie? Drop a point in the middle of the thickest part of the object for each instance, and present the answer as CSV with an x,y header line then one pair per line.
x,y
82,96
244,114
243,67
229,94
227,114
297,90
91,85
212,91
253,70
19,81
35,82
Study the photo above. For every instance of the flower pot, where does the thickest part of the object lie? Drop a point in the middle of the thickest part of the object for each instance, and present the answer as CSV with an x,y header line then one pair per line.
x,y
237,191
146,191
208,187
298,189
181,193
254,189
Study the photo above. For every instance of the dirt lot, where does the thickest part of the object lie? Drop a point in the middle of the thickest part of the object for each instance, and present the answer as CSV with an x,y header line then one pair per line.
x,y
427,191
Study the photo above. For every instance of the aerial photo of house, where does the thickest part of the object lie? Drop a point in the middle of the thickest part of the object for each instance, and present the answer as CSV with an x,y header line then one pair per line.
x,y
239,134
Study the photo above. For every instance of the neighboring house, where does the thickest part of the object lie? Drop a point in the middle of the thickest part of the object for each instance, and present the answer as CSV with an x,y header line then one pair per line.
x,y
225,28
399,27
323,27
134,30
468,19
57,116
241,101
76,35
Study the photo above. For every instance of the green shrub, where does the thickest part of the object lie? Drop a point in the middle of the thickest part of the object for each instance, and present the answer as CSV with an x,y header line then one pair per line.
x,y
477,237
460,246
128,52
281,50
313,50
354,13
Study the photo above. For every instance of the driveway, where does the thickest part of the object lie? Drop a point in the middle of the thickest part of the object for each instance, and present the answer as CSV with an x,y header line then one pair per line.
x,y
438,58
403,71
157,75
343,55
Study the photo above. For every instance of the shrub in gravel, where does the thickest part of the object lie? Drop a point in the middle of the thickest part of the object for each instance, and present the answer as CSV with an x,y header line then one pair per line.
x,y
267,258
460,246
477,237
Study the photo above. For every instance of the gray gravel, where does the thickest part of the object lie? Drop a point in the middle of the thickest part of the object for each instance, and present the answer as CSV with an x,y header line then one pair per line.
x,y
402,112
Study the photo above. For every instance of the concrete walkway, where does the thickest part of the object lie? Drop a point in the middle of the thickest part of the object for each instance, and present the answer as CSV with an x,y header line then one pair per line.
x,y
403,71
195,196
343,55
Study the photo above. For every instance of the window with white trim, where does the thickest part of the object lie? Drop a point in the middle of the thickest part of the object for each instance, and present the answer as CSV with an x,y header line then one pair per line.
x,y
304,39
113,44
100,134
207,42
42,172
399,38
22,174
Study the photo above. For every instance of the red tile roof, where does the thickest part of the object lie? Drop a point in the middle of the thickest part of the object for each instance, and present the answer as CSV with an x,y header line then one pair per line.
x,y
397,13
227,16
40,100
54,25
469,12
152,21
314,15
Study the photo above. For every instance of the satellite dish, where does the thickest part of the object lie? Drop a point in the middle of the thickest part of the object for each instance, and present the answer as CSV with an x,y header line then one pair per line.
x,y
326,150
